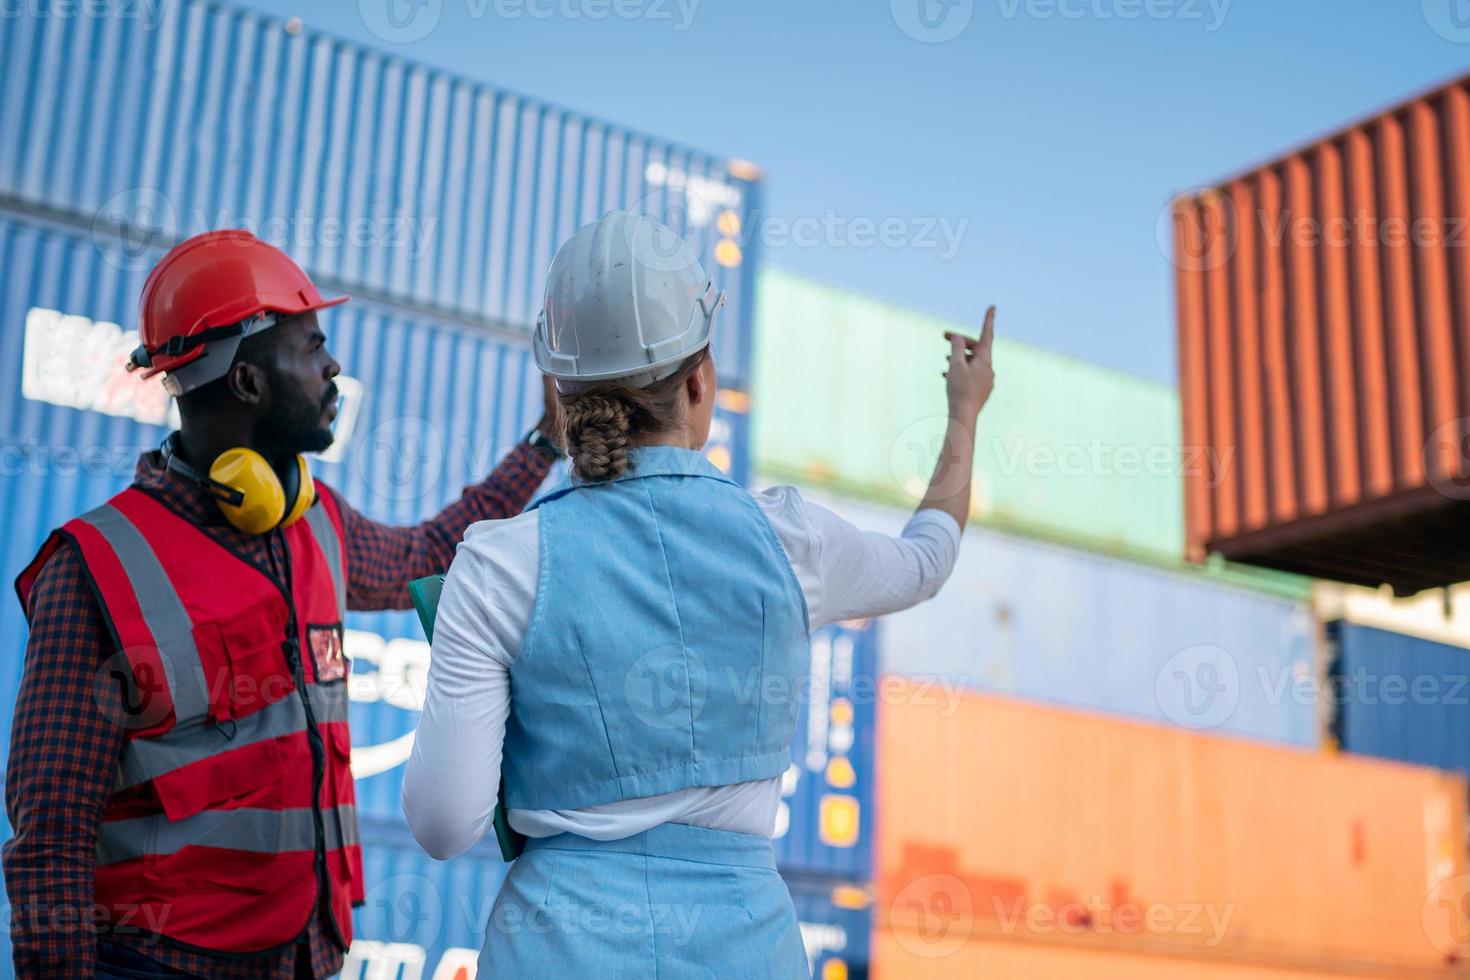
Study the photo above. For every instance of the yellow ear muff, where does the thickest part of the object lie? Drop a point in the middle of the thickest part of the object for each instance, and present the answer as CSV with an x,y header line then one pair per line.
x,y
264,500
305,493
263,504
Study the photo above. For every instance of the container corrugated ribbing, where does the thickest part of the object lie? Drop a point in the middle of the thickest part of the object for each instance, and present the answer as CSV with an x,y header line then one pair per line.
x,y
863,377
1009,828
1400,697
381,175
1324,347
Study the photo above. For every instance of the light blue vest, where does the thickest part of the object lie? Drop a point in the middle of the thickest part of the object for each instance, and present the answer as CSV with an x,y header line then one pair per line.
x,y
667,644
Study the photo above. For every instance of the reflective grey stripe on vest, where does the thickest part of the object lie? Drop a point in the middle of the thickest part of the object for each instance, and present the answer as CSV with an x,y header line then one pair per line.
x,y
246,829
163,611
326,537
147,758
328,701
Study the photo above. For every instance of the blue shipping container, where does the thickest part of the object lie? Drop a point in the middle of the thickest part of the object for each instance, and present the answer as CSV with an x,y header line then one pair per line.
x,y
1399,697
382,176
836,920
825,822
427,919
421,918
1038,620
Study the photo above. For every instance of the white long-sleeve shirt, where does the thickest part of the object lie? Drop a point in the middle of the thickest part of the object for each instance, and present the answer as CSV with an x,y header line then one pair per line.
x,y
453,773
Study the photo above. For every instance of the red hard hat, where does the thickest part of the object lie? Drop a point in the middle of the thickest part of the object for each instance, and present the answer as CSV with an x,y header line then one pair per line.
x,y
207,286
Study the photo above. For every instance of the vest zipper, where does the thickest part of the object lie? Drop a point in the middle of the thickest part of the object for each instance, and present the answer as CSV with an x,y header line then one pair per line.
x,y
292,649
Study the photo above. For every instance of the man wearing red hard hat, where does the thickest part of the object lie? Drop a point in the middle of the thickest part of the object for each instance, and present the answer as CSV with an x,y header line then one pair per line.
x,y
179,778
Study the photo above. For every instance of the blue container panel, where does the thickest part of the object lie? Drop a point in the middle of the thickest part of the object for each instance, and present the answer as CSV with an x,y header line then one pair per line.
x,y
422,917
1401,697
825,822
380,175
1051,623
836,925
56,462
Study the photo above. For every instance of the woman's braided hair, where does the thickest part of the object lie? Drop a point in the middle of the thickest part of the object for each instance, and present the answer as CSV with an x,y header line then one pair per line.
x,y
601,423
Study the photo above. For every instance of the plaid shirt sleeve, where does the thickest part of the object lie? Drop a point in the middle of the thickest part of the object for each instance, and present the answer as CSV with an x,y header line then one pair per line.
x,y
63,753
383,559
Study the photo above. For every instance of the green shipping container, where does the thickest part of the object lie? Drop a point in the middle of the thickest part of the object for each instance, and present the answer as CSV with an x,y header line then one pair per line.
x,y
850,398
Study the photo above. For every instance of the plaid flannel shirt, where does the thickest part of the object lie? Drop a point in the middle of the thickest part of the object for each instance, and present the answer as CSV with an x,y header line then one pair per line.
x,y
64,750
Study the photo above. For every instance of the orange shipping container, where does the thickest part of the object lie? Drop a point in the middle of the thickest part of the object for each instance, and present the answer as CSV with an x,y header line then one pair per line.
x,y
903,957
1324,348
1004,820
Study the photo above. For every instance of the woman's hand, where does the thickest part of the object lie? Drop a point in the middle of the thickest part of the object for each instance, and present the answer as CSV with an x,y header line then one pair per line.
x,y
968,383
971,377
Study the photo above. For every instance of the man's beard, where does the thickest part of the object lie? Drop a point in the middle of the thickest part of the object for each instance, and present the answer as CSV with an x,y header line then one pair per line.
x,y
293,426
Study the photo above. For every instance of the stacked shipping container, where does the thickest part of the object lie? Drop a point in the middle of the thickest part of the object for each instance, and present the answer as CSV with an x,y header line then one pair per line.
x,y
1046,622
1002,960
383,177
861,377
1324,345
1089,838
437,202
1400,697
1070,590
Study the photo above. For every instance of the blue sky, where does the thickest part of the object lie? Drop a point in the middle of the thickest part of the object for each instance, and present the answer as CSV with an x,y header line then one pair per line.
x,y
1020,151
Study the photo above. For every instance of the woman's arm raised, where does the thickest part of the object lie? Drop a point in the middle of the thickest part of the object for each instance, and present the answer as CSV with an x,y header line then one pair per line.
x,y
968,384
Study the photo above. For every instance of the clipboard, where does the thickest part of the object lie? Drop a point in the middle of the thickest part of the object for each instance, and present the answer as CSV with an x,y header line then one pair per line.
x,y
425,595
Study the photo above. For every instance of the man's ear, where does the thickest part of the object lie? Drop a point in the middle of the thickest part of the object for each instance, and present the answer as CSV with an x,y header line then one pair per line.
x,y
247,383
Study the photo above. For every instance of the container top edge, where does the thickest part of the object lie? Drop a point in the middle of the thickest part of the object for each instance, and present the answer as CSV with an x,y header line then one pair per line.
x,y
1338,131
308,33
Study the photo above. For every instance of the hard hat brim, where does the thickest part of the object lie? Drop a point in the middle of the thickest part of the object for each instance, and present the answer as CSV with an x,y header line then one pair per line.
x,y
160,365
649,373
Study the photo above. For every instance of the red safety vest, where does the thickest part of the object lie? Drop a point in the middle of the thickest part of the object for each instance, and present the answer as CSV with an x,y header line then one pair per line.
x,y
233,806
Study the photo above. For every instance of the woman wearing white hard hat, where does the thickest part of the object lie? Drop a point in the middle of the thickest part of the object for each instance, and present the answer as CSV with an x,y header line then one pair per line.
x,y
637,642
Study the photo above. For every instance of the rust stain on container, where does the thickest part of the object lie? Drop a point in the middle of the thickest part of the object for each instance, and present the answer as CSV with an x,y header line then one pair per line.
x,y
1014,823
1323,308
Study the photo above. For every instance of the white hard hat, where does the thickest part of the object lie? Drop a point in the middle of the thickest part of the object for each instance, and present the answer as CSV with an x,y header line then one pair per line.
x,y
626,300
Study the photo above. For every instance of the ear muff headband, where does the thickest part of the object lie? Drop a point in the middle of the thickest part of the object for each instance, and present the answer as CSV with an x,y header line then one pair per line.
x,y
247,489
304,494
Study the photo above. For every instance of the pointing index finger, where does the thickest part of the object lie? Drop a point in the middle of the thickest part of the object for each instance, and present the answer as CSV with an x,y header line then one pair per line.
x,y
987,335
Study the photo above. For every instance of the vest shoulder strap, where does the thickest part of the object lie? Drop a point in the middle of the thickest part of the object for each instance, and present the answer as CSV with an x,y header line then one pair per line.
x,y
325,520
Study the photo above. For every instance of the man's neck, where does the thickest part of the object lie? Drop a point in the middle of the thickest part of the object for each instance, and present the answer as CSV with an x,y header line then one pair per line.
x,y
200,447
